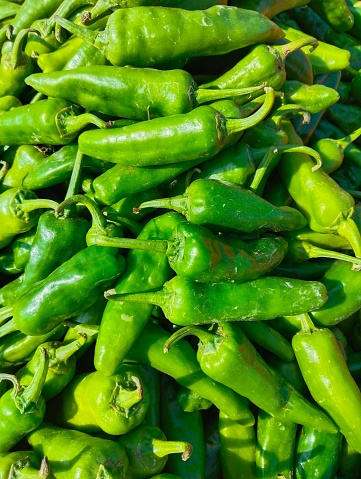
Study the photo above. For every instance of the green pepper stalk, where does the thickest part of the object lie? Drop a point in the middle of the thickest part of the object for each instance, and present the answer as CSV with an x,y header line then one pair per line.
x,y
322,240
15,66
332,150
22,408
147,449
15,256
18,461
117,91
197,254
201,133
76,454
237,449
62,365
178,425
327,207
189,302
313,98
182,365
215,31
263,63
24,469
229,207
13,219
339,396
229,357
189,401
93,402
53,121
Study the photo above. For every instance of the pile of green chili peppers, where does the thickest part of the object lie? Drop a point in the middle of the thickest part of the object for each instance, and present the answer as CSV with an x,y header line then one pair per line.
x,y
180,239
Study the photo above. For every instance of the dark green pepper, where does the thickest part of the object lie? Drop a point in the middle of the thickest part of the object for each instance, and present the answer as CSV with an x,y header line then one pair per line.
x,y
87,457
189,302
93,402
335,12
313,98
215,31
148,449
14,257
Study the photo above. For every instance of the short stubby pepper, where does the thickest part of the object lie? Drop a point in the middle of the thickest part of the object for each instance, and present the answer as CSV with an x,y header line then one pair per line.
x,y
215,31
225,206
189,302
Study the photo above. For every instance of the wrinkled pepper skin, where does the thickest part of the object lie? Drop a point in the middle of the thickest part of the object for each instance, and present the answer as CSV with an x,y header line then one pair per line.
x,y
93,402
318,353
215,31
77,454
13,220
67,291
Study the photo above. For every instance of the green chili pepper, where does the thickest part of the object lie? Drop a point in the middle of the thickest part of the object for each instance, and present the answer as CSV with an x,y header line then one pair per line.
x,y
227,206
117,90
237,449
13,218
94,402
181,364
179,425
197,254
187,302
148,449
263,64
8,10
298,66
309,189
62,365
335,12
9,102
57,239
339,396
70,289
313,98
23,408
14,257
317,454
190,401
77,454
52,121
17,348
322,240
85,55
57,59
203,32
227,350
204,131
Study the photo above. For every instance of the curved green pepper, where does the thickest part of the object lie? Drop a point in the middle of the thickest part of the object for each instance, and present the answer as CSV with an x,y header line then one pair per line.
x,y
217,30
15,256
93,402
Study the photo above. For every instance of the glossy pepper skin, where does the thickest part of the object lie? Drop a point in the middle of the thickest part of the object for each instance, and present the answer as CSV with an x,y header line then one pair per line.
x,y
69,289
87,457
126,92
13,219
148,449
56,240
93,402
202,32
335,12
189,302
181,364
14,257
225,206
201,133
24,459
338,394
197,254
229,357
23,409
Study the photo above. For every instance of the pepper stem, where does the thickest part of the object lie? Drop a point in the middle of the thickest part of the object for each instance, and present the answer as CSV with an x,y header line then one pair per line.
x,y
27,398
155,246
81,32
262,168
32,205
101,6
347,140
14,380
69,124
98,218
124,397
65,9
163,448
286,111
349,230
4,169
132,225
306,323
236,125
152,297
44,471
75,179
8,328
207,94
5,313
62,354
308,251
291,47
176,203
204,336
17,57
